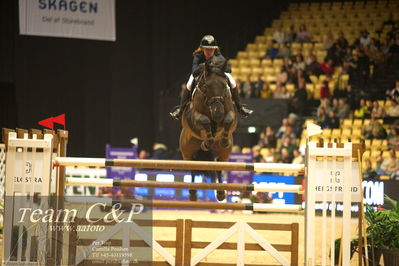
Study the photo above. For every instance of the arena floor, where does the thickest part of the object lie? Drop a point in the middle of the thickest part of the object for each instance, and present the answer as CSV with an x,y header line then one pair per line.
x,y
255,257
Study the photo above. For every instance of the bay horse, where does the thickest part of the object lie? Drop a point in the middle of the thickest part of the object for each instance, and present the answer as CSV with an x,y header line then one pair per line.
x,y
208,121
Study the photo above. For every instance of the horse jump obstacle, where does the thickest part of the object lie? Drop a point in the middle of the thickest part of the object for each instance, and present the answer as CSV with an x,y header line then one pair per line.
x,y
315,154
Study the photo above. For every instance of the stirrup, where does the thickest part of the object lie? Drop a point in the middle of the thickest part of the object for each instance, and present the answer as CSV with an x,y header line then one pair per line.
x,y
245,111
175,113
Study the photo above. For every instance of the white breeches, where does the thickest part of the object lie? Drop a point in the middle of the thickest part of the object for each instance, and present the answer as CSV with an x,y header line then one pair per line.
x,y
228,75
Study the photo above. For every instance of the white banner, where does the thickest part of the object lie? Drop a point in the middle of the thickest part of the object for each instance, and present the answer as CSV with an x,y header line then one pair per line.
x,y
84,19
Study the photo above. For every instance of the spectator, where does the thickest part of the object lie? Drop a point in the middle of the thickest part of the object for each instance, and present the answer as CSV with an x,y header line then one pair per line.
x,y
267,139
363,69
289,132
334,105
321,117
325,105
331,121
278,35
390,164
303,34
249,92
287,144
324,90
269,158
393,52
374,130
281,129
284,51
342,41
282,77
369,172
299,64
159,151
285,156
300,98
257,86
313,68
327,67
291,36
393,110
143,154
271,51
295,123
393,138
328,40
265,92
365,38
343,109
246,87
377,111
393,94
360,111
281,92
256,154
298,158
367,112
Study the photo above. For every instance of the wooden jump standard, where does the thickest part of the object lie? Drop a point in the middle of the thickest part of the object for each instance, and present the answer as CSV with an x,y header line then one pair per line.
x,y
180,164
108,182
267,207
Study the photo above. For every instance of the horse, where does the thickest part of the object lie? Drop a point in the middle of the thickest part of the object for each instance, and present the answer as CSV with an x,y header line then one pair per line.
x,y
208,121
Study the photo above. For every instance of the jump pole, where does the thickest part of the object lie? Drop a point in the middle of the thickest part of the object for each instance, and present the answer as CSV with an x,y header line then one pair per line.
x,y
180,164
108,182
203,205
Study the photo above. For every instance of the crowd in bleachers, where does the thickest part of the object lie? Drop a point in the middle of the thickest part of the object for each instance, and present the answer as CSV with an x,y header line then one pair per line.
x,y
330,57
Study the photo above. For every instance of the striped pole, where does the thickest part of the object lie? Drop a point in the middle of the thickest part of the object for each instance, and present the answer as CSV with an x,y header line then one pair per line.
x,y
266,207
180,164
108,182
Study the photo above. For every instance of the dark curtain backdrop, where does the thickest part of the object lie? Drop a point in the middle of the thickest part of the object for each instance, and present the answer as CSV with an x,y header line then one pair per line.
x,y
110,91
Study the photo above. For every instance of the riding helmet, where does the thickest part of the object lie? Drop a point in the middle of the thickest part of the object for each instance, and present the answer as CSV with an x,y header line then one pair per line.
x,y
208,41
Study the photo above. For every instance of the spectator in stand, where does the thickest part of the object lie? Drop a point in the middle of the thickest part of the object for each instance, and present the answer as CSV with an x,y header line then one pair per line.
x,y
258,158
287,63
281,130
325,105
284,51
299,64
393,52
269,158
287,144
271,51
321,117
374,53
393,138
393,94
282,77
363,69
257,85
328,40
285,156
267,139
344,109
313,68
299,101
292,76
265,92
291,36
296,124
245,87
377,111
143,154
278,35
393,110
334,105
391,164
281,92
298,158
342,41
159,151
303,34
360,111
364,39
367,112
327,67
374,130
324,90
249,92
336,54
378,163
369,172
289,132
331,121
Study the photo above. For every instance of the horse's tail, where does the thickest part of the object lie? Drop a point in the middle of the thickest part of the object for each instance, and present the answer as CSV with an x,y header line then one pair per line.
x,y
205,156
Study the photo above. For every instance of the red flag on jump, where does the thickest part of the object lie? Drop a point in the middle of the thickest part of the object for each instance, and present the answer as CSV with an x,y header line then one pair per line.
x,y
60,120
47,123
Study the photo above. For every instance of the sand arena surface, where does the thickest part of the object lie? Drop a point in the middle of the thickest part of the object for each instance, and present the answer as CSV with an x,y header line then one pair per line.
x,y
256,257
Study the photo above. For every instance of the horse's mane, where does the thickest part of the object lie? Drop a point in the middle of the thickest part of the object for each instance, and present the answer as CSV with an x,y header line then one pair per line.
x,y
217,65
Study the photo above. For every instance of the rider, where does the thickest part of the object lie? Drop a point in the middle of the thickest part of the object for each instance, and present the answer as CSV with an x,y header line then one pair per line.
x,y
208,48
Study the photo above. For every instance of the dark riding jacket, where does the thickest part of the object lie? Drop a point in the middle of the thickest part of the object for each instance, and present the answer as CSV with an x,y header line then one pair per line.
x,y
200,58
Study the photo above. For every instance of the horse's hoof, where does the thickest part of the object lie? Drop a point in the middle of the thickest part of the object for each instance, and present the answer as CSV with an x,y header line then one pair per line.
x,y
204,146
193,195
221,195
225,143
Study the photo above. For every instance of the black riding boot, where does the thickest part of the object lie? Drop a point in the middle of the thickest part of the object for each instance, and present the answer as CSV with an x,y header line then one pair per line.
x,y
185,98
242,109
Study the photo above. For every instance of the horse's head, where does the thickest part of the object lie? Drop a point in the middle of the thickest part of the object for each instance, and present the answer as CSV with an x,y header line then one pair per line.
x,y
216,92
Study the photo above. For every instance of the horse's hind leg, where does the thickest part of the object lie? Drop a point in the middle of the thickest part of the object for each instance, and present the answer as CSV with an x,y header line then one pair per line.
x,y
193,193
220,194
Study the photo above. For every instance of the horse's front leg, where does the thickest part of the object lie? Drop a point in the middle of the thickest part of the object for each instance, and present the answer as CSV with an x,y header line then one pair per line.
x,y
205,122
227,123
